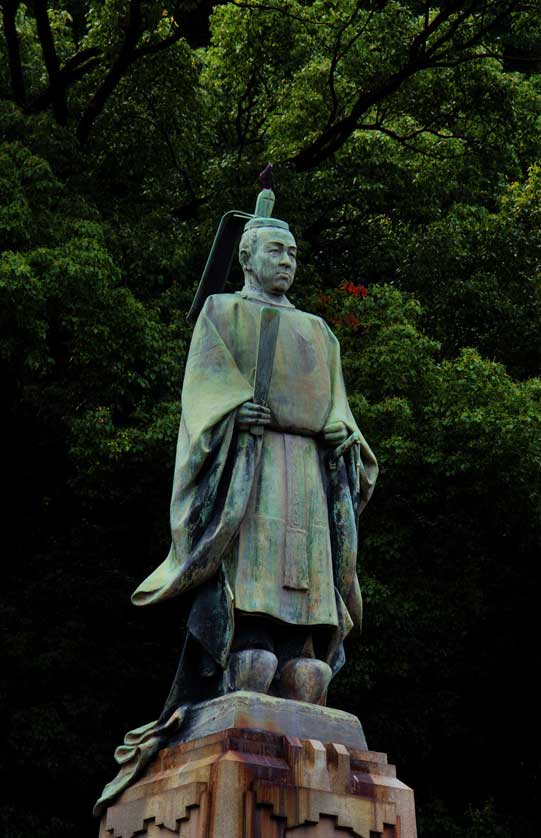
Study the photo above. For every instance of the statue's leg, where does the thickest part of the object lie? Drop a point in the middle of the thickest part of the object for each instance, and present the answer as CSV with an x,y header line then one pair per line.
x,y
305,679
252,662
302,676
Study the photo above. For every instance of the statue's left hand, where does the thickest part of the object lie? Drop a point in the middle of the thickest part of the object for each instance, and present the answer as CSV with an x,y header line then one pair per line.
x,y
335,433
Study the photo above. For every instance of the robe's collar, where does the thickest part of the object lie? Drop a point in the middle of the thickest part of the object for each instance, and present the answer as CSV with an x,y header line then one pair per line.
x,y
250,293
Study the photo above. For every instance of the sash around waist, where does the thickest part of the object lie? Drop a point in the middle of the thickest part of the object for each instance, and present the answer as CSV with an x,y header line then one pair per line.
x,y
280,429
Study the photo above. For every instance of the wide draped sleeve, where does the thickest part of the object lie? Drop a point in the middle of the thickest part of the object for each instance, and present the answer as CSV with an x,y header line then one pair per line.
x,y
366,463
351,480
214,466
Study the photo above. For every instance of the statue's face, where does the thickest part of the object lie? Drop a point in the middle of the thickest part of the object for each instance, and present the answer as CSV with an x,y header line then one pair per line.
x,y
274,260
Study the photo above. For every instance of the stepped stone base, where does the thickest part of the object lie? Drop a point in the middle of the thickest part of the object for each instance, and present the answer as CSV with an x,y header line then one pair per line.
x,y
249,776
255,711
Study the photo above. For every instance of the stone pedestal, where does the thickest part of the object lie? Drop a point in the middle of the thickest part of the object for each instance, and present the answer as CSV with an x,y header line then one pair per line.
x,y
265,768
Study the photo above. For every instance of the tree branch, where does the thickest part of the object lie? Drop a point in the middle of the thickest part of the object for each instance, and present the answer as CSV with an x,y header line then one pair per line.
x,y
306,21
127,55
421,57
338,54
514,5
56,83
80,58
161,128
405,138
14,53
87,60
418,46
450,63
448,33
244,114
157,46
71,72
115,73
334,137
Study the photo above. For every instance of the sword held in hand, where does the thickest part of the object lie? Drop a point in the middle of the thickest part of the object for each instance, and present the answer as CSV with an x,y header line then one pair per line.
x,y
269,324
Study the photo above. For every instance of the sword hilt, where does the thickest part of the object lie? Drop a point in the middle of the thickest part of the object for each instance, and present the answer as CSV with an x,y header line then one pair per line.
x,y
258,430
269,323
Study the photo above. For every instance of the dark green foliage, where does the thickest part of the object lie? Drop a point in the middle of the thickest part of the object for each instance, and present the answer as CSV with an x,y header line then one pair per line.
x,y
415,194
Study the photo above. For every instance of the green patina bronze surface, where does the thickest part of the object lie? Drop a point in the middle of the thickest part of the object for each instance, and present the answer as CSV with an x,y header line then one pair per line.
x,y
267,492
275,511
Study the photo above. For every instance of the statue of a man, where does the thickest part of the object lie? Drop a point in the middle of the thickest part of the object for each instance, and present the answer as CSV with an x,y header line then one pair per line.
x,y
266,499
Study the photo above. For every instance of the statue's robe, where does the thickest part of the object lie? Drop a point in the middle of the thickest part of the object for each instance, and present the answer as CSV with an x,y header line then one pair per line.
x,y
263,524
261,502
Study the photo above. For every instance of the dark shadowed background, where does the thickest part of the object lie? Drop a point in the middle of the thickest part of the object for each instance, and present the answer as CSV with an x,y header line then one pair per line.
x,y
407,150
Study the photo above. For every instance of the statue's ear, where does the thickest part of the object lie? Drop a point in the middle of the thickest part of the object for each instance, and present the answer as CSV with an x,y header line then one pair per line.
x,y
245,259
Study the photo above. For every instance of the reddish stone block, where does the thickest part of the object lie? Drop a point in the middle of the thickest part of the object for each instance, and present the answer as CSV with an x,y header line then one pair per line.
x,y
241,783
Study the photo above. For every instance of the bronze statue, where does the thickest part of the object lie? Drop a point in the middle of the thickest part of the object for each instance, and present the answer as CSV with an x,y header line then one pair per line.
x,y
271,474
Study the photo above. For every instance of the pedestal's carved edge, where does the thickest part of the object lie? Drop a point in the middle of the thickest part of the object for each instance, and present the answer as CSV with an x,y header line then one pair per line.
x,y
124,819
248,778
300,805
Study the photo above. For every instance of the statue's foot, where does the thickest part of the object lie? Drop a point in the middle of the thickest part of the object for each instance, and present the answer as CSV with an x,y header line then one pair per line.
x,y
305,679
251,669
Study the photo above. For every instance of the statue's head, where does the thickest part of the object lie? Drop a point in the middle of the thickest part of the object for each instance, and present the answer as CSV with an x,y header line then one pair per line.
x,y
268,255
268,252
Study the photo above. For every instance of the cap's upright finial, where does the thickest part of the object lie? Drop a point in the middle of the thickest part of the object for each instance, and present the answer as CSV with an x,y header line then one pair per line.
x,y
265,200
264,205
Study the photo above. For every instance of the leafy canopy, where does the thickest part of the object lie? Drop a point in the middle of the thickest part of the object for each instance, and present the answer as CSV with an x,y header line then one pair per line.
x,y
406,143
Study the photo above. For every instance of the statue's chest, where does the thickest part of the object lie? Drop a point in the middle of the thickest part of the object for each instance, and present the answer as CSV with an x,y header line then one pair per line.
x,y
300,390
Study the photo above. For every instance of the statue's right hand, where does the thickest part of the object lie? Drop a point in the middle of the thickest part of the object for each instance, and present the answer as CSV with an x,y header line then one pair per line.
x,y
251,413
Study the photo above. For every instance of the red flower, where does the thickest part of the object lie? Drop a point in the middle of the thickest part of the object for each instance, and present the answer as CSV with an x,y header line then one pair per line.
x,y
356,290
